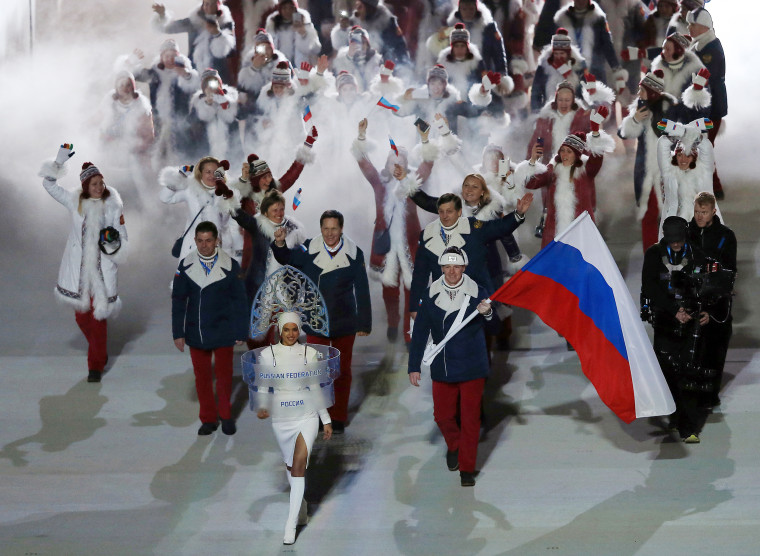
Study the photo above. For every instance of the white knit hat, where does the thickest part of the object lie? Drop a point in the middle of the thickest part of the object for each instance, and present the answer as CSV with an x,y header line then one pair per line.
x,y
289,317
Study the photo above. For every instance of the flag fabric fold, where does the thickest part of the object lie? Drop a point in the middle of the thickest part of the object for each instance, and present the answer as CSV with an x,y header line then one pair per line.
x,y
306,113
574,286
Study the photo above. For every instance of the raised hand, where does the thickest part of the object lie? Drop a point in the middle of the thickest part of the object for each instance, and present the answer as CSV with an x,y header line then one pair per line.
x,y
65,152
309,142
524,203
598,115
700,79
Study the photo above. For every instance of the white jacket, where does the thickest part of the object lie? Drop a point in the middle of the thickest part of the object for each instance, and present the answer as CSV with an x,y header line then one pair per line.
x,y
180,189
85,270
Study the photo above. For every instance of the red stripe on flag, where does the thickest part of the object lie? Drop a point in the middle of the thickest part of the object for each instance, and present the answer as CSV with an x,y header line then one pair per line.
x,y
601,362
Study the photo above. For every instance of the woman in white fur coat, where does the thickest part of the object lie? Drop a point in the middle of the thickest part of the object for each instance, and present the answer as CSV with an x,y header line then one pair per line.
x,y
126,123
200,189
685,157
87,276
462,60
293,33
213,117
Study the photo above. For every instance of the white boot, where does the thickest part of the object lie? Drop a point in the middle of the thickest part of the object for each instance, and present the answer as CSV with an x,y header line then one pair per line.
x,y
303,516
297,486
290,534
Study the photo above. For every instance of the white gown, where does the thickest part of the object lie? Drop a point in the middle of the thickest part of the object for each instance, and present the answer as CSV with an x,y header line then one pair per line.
x,y
288,425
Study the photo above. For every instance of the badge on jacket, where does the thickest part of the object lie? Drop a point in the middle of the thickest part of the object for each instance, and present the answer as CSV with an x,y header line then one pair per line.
x,y
707,58
477,224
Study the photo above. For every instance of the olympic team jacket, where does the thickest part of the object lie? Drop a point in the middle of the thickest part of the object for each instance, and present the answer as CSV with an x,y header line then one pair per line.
x,y
342,280
209,310
464,356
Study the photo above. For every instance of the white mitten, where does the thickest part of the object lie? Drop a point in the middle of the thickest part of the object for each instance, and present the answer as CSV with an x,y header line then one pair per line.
x,y
65,152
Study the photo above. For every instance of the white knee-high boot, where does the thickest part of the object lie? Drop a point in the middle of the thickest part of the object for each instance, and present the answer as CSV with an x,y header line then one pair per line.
x,y
297,486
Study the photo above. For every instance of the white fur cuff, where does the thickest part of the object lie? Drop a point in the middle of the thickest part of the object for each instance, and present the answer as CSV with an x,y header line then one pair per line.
x,y
51,170
305,155
694,98
598,145
430,151
477,98
171,178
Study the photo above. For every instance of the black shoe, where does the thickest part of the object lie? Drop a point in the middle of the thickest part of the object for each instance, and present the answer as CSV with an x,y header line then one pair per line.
x,y
392,334
228,427
719,195
207,428
339,427
467,479
94,376
452,460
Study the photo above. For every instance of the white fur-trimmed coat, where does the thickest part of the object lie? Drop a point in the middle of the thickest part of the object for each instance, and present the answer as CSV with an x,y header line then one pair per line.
x,y
296,48
219,122
462,74
177,188
678,80
85,270
680,187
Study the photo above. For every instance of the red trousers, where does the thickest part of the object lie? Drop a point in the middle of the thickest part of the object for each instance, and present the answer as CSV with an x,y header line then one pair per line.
x,y
465,437
96,332
211,410
711,135
345,344
650,224
391,297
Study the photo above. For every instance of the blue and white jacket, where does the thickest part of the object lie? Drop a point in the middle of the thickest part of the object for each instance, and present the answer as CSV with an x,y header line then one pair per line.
x,y
209,310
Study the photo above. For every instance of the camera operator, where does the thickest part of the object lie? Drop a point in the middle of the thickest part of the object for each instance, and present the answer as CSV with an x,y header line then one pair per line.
x,y
718,243
674,310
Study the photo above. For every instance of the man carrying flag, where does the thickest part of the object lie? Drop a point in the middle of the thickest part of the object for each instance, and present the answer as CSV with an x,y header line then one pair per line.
x,y
458,371
574,285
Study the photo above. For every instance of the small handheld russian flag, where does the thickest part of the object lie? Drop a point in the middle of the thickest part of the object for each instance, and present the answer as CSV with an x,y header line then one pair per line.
x,y
394,148
306,114
383,103
297,198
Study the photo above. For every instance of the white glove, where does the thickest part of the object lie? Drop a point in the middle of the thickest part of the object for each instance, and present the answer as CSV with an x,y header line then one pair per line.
x,y
65,152
443,127
673,129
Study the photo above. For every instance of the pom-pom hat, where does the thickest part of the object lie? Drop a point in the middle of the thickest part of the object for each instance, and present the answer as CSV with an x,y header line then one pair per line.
x,y
561,40
459,34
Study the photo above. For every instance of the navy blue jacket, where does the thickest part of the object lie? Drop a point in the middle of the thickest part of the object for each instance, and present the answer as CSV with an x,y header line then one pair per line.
x,y
476,244
465,356
345,288
209,311
714,59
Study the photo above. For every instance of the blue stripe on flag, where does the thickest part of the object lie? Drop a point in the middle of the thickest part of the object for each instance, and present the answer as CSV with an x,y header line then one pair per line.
x,y
567,266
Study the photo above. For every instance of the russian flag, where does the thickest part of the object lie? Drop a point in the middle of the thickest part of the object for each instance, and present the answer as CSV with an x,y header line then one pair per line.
x,y
297,198
394,148
575,287
385,104
306,114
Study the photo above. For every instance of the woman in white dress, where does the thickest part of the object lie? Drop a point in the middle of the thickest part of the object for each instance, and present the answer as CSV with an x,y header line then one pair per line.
x,y
295,430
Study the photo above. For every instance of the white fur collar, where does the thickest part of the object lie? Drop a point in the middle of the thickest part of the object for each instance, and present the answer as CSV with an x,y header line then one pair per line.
x,y
438,290
434,242
198,275
295,230
323,259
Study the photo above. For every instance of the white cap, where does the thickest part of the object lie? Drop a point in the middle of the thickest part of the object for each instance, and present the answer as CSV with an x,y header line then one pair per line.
x,y
453,255
289,317
700,16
